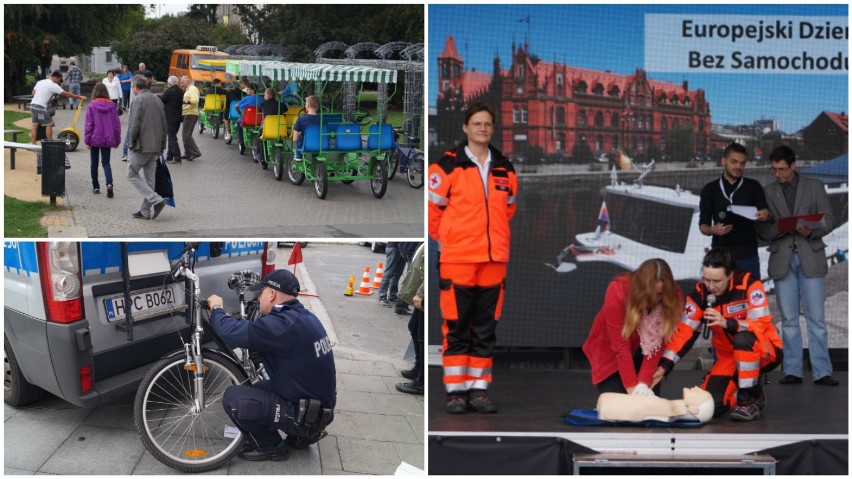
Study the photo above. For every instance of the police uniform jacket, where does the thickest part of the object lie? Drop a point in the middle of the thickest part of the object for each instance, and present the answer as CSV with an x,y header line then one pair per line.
x,y
471,220
744,305
293,346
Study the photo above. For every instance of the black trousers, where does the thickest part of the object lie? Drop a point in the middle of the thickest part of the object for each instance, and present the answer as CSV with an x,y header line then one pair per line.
x,y
415,327
173,152
259,413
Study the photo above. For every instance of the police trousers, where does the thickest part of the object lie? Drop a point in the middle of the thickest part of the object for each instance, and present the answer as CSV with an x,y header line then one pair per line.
x,y
259,413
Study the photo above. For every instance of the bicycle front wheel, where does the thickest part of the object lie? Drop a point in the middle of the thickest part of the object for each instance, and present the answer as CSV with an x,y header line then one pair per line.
x,y
168,422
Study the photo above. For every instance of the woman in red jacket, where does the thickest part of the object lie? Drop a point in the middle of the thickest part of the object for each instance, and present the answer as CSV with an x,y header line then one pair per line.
x,y
641,311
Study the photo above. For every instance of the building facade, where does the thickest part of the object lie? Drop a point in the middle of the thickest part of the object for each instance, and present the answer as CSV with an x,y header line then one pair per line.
x,y
551,107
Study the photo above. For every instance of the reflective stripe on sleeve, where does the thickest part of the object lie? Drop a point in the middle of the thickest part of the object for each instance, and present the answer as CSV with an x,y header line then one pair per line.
x,y
438,199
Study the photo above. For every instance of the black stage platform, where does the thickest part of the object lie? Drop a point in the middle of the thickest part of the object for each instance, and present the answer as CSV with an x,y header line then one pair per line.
x,y
531,404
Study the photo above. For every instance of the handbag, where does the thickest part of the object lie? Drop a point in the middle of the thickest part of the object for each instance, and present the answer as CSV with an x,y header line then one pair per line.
x,y
163,181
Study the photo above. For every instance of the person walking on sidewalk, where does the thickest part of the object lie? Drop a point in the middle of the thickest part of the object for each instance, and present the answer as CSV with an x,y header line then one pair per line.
x,y
102,134
406,251
147,134
300,396
190,118
125,78
412,291
173,103
74,78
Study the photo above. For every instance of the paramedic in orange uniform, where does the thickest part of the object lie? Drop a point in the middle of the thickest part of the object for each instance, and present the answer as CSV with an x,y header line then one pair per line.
x,y
472,192
734,306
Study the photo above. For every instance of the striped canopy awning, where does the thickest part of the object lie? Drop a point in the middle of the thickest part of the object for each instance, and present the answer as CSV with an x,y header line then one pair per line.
x,y
315,71
233,67
286,71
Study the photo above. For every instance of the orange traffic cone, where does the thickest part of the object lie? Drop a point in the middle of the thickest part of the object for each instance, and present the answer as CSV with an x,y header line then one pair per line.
x,y
350,289
365,283
377,280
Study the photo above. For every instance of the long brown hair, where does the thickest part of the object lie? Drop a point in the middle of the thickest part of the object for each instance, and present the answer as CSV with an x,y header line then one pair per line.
x,y
100,91
643,297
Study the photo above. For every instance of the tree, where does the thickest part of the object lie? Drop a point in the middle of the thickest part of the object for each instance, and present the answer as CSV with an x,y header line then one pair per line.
x,y
582,153
154,43
681,142
203,11
309,26
35,33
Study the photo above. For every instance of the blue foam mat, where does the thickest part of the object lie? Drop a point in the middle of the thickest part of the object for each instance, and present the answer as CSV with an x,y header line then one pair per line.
x,y
589,417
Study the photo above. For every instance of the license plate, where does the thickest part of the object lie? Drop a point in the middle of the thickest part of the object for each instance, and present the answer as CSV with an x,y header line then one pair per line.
x,y
143,303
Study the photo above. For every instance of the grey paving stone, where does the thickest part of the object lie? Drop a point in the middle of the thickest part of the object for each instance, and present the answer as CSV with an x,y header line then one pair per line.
x,y
418,425
385,428
148,465
345,424
398,403
355,401
96,450
412,454
368,457
29,441
11,471
330,455
302,463
357,382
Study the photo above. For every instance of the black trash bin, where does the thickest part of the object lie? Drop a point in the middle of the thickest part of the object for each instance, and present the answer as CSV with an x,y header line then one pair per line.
x,y
53,168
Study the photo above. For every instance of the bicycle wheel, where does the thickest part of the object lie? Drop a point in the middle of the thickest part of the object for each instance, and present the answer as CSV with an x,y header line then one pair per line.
x,y
393,163
171,431
379,183
415,170
214,126
296,176
321,181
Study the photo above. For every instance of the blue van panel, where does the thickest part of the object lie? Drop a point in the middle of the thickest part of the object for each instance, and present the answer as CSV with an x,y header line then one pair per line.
x,y
20,257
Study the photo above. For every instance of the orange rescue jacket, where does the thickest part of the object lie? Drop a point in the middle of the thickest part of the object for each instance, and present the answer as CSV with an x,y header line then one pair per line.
x,y
470,223
746,308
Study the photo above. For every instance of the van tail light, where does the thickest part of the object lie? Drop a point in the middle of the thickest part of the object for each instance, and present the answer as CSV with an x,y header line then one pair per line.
x,y
86,378
61,281
268,259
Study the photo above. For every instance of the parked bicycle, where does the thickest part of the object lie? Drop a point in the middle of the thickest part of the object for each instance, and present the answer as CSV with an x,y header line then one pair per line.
x,y
178,407
407,159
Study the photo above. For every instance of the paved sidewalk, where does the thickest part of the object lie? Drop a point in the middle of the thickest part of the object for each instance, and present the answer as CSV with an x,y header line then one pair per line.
x,y
221,194
375,428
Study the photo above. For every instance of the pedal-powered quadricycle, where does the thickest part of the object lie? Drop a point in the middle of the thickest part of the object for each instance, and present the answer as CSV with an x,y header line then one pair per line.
x,y
212,113
342,146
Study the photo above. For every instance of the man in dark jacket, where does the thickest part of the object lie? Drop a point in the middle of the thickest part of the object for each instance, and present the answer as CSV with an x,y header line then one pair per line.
x,y
173,103
147,139
300,396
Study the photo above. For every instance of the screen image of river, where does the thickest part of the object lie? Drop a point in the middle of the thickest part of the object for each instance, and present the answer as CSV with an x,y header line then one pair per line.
x,y
548,306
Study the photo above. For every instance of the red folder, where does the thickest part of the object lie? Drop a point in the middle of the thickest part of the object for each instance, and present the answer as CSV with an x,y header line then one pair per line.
x,y
788,224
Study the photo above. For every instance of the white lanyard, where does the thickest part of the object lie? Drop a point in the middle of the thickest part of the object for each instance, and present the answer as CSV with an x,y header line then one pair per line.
x,y
722,186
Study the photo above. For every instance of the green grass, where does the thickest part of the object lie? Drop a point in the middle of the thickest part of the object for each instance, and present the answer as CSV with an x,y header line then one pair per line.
x,y
9,119
21,218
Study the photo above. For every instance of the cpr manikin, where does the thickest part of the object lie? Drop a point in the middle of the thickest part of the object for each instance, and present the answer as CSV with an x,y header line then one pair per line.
x,y
697,404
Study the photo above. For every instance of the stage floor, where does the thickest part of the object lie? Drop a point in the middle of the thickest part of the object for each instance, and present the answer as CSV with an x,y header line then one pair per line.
x,y
532,402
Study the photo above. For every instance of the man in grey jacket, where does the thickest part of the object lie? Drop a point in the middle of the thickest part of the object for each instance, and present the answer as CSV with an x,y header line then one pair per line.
x,y
798,265
147,139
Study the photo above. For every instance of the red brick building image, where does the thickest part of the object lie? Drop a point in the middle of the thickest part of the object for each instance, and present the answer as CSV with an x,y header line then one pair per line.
x,y
552,106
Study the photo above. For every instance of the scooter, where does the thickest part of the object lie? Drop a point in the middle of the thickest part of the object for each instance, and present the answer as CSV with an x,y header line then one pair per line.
x,y
70,134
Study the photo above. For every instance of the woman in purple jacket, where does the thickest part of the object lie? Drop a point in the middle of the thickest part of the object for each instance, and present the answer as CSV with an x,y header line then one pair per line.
x,y
103,132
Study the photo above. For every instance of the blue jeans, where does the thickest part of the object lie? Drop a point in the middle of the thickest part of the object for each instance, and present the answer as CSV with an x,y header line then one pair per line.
x,y
127,137
750,265
788,292
93,156
75,89
394,265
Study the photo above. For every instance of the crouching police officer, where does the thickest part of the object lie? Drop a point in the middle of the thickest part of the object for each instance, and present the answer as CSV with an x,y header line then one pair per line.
x,y
295,350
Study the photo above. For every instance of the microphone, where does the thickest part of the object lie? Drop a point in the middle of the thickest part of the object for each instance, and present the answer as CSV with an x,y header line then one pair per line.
x,y
722,215
711,300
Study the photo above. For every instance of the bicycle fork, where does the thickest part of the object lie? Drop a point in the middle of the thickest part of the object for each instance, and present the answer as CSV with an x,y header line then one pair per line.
x,y
194,359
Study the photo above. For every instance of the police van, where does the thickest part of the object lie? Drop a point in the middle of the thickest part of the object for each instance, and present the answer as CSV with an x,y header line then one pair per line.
x,y
85,320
